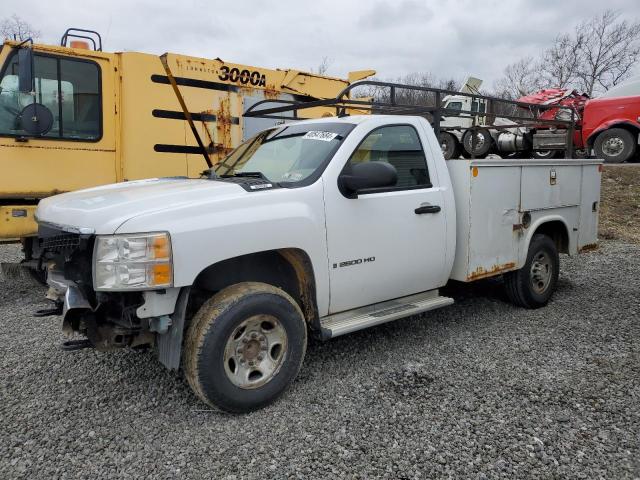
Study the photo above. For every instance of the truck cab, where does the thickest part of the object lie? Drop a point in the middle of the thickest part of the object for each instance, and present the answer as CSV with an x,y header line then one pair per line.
x,y
465,103
611,123
464,120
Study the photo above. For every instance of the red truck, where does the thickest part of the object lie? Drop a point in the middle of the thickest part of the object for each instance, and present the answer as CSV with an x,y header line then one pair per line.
x,y
611,123
607,127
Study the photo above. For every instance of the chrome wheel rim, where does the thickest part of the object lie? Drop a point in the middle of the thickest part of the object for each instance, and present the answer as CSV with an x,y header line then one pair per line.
x,y
255,351
479,142
541,272
545,153
613,147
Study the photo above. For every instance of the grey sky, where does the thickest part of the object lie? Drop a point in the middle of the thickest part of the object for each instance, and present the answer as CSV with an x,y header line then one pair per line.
x,y
450,38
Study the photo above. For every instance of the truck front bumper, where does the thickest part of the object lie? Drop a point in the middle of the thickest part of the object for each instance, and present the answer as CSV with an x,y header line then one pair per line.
x,y
111,323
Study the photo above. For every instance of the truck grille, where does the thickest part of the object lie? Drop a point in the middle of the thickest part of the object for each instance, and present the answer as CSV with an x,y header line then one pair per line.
x,y
59,243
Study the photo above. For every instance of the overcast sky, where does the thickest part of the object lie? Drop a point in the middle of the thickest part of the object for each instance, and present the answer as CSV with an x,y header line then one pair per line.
x,y
450,38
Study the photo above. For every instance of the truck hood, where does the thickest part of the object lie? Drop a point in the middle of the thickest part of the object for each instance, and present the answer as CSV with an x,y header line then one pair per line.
x,y
103,209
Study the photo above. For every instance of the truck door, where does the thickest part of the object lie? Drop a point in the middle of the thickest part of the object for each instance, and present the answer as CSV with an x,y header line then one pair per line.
x,y
78,148
386,243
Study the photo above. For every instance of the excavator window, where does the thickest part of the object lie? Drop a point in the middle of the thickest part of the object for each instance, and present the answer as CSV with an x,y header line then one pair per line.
x,y
68,88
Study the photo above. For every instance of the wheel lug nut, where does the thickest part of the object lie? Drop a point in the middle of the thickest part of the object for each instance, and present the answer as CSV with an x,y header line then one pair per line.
x,y
260,357
252,363
244,340
254,335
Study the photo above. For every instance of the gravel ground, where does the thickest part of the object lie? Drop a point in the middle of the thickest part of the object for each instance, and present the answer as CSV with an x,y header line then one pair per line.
x,y
478,390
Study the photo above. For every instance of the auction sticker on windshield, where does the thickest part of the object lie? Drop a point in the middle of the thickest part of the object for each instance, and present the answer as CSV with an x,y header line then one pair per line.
x,y
317,135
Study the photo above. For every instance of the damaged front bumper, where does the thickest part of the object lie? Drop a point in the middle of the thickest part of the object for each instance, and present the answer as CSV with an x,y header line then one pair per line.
x,y
110,321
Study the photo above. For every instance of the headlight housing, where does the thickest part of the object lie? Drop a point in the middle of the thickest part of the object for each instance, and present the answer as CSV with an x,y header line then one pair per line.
x,y
139,261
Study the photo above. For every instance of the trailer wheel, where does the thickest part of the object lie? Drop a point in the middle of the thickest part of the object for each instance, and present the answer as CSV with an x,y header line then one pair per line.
x,y
544,154
615,145
483,142
244,347
533,285
449,145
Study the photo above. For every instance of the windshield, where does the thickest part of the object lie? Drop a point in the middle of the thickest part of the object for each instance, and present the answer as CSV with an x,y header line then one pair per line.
x,y
454,105
288,154
630,88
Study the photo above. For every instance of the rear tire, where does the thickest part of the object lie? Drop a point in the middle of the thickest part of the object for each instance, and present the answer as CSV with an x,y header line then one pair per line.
x,y
449,145
544,154
615,145
533,285
484,142
244,347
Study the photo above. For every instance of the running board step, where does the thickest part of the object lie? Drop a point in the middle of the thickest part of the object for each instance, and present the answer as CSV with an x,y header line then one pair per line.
x,y
378,313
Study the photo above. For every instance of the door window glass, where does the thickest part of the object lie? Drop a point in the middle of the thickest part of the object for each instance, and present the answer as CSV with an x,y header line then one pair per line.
x,y
69,89
399,146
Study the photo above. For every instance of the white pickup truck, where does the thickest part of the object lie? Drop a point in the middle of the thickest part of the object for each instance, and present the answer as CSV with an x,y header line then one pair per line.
x,y
318,227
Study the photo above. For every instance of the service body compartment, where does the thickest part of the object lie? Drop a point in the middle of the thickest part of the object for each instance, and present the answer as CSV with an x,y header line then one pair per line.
x,y
500,203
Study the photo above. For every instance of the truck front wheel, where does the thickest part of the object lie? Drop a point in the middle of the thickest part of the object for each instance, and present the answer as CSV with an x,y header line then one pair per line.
x,y
244,347
533,285
615,145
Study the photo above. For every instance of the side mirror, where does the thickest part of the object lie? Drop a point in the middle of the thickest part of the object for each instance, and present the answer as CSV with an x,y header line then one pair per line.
x,y
25,70
367,175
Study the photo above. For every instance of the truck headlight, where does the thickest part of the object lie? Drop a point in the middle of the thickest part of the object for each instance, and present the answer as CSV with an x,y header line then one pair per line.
x,y
132,262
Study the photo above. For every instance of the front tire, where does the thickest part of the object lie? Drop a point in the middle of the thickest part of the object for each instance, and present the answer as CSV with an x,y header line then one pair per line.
x,y
615,145
244,347
533,285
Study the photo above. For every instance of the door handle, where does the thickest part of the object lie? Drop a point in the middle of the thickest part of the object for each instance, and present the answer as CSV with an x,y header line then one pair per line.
x,y
427,209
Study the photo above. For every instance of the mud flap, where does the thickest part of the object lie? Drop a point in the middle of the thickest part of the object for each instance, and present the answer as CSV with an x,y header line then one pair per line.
x,y
169,345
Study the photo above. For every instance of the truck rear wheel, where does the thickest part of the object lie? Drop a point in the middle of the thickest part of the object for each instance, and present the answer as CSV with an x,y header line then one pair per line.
x,y
615,145
244,347
482,143
544,154
533,285
449,145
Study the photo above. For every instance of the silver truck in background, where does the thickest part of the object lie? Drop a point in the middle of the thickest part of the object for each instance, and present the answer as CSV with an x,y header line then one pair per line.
x,y
477,125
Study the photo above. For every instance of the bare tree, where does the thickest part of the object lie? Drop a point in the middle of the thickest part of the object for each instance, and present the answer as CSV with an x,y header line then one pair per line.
x,y
598,54
408,96
609,51
560,64
520,78
323,67
16,28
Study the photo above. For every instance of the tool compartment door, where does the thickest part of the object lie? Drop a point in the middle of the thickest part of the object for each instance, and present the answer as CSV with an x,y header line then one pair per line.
x,y
550,186
493,212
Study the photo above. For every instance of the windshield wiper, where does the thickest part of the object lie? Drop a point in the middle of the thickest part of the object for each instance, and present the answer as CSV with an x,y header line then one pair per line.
x,y
211,174
245,174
